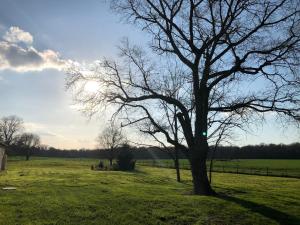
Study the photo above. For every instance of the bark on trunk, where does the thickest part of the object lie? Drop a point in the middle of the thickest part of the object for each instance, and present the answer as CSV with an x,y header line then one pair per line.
x,y
199,171
111,156
176,147
212,164
27,154
177,170
3,163
200,179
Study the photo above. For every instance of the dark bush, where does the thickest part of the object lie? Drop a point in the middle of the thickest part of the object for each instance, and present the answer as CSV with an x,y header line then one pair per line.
x,y
125,159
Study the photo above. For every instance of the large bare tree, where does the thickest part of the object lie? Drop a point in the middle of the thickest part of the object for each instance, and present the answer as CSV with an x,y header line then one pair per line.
x,y
240,58
10,128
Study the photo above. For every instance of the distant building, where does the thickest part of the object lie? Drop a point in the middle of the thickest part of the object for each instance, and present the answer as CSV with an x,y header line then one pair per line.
x,y
3,157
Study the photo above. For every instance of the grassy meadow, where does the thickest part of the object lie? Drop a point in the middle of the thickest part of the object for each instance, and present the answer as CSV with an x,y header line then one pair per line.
x,y
67,191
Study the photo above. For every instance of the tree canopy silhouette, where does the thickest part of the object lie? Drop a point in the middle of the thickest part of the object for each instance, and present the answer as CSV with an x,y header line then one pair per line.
x,y
28,141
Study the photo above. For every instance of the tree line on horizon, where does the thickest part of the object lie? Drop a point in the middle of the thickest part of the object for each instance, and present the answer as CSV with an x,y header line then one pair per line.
x,y
261,151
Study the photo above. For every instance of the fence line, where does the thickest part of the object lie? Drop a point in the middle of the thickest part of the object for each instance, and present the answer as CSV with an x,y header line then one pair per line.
x,y
265,171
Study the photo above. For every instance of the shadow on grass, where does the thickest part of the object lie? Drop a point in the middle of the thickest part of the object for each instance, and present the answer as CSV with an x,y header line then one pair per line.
x,y
273,214
137,171
188,184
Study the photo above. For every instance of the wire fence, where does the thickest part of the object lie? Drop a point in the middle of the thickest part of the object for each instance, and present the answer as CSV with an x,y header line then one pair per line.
x,y
238,169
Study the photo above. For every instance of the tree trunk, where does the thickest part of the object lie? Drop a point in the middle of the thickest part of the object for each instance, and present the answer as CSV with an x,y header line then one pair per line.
x,y
199,171
212,164
176,162
4,161
27,154
176,147
200,179
111,156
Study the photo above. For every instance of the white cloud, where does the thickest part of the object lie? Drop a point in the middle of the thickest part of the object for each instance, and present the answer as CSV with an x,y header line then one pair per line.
x,y
15,56
16,35
17,53
60,136
40,129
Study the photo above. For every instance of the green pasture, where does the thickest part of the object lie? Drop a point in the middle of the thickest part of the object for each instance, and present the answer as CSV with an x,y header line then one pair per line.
x,y
271,167
67,191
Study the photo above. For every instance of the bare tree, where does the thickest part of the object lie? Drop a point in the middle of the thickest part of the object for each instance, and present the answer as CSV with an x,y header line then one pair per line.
x,y
10,128
111,138
29,141
222,134
173,123
239,58
172,128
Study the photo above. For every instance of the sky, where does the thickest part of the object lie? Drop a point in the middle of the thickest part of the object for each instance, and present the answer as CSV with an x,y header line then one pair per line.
x,y
38,38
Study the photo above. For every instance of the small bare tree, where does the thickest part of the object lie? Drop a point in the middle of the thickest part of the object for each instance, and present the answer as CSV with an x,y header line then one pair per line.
x,y
10,128
168,122
29,141
111,139
221,133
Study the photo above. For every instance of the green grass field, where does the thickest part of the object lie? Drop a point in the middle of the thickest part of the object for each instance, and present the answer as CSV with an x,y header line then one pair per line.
x,y
272,167
66,191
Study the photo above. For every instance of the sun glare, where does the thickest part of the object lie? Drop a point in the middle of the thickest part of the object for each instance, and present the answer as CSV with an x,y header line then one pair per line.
x,y
91,87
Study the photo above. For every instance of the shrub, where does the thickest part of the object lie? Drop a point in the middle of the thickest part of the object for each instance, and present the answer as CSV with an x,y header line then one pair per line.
x,y
125,159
